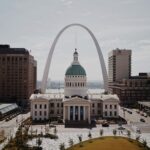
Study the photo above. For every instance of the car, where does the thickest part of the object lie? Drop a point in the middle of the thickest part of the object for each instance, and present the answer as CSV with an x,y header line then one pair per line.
x,y
142,120
105,124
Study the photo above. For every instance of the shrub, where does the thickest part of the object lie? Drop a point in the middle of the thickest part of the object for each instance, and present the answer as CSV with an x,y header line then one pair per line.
x,y
62,146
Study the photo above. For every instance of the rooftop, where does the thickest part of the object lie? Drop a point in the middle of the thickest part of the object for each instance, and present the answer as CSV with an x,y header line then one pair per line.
x,y
4,108
91,96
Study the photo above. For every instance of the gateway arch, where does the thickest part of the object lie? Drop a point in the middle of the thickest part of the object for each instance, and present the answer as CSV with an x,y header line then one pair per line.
x,y
49,59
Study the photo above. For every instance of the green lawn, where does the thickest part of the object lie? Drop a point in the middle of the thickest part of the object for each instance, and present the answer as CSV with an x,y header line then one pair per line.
x,y
109,143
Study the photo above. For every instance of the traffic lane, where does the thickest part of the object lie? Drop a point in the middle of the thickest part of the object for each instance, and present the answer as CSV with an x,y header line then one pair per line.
x,y
134,117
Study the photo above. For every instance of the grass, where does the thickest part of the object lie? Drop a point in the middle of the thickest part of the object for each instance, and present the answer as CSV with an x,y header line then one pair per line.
x,y
109,143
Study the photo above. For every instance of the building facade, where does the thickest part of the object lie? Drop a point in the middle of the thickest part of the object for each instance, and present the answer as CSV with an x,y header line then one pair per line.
x,y
130,89
17,75
76,105
119,65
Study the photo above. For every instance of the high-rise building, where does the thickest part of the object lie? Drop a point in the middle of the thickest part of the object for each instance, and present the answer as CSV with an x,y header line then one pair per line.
x,y
17,75
119,65
130,89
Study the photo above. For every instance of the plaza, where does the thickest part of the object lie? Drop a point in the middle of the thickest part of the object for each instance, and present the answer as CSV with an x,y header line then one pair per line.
x,y
64,134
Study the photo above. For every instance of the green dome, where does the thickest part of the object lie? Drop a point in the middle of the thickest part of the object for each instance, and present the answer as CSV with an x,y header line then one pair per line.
x,y
75,70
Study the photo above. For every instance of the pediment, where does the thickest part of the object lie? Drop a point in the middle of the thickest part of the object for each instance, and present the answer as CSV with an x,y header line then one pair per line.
x,y
76,100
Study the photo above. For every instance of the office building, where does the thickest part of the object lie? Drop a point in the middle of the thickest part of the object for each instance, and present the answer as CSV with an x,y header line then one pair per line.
x,y
17,75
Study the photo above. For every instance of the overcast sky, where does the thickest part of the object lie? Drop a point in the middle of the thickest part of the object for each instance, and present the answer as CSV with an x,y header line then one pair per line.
x,y
33,24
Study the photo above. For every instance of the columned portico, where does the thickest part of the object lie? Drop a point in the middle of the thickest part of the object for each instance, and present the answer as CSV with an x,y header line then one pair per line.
x,y
77,113
77,109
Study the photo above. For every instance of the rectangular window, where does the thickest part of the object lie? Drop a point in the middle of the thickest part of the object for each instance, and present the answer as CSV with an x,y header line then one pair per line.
x,y
35,113
57,104
35,106
115,113
61,104
52,104
105,106
110,106
45,106
40,106
105,113
110,113
115,106
93,105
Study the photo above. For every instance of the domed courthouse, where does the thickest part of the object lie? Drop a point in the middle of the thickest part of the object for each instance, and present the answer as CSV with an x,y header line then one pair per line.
x,y
76,105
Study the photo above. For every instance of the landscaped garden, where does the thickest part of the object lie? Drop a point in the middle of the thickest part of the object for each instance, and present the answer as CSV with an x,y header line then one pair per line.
x,y
110,143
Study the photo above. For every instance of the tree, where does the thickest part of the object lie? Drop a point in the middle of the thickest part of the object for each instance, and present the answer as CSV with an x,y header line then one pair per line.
x,y
55,131
101,132
71,142
129,134
114,132
39,142
144,143
90,136
80,139
138,138
62,146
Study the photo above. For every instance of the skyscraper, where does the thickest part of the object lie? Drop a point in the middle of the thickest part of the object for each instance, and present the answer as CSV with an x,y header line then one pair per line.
x,y
119,65
17,75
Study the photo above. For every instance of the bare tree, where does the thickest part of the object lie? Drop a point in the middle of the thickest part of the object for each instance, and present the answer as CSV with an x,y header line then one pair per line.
x,y
71,142
80,140
62,146
114,132
129,134
138,138
144,143
39,142
55,130
101,132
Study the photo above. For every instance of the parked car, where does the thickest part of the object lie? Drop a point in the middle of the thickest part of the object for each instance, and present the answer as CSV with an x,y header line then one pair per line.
x,y
105,124
142,120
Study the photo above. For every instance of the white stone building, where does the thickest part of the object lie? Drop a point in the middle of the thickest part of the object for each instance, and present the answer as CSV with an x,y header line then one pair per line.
x,y
75,105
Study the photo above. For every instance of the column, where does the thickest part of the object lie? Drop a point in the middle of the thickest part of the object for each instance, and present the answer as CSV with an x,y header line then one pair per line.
x,y
68,112
84,113
79,113
64,114
89,115
73,112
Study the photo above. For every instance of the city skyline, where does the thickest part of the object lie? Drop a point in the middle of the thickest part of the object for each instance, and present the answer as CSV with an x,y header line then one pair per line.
x,y
34,25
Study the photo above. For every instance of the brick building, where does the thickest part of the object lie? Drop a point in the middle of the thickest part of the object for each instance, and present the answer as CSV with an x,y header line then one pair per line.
x,y
17,75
